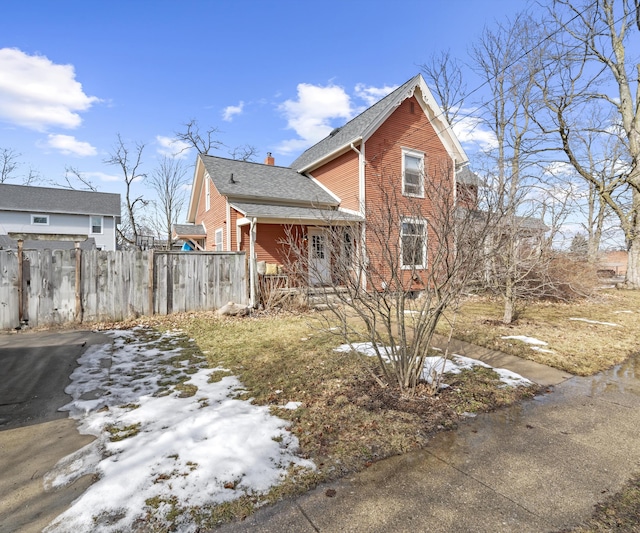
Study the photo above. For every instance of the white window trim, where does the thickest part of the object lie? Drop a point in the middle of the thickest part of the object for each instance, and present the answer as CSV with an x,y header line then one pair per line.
x,y
220,232
413,220
34,216
91,232
419,155
207,199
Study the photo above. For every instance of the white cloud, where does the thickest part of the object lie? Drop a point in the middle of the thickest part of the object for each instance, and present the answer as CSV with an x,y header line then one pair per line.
x,y
311,114
372,94
36,93
102,176
470,131
230,111
170,147
69,145
560,169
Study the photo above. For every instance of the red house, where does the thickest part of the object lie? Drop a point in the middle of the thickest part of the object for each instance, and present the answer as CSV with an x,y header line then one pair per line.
x,y
399,145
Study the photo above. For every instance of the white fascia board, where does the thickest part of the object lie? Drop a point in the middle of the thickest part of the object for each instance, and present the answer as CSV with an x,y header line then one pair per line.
x,y
324,188
442,128
435,115
267,200
338,151
302,221
244,221
195,193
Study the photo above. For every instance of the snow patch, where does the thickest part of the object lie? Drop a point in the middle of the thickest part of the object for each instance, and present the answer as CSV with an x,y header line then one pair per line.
x,y
596,322
199,450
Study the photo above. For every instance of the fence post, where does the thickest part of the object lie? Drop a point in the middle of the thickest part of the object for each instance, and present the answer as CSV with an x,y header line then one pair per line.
x,y
151,289
78,283
20,283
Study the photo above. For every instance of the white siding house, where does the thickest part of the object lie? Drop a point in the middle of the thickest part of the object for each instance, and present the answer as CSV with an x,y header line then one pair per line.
x,y
46,212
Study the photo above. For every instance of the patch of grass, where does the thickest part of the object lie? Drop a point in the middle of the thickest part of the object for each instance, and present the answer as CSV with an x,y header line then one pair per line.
x,y
480,390
186,390
578,347
346,420
620,512
217,375
118,433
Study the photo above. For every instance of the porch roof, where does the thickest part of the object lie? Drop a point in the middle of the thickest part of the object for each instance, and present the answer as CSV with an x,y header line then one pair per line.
x,y
292,214
189,230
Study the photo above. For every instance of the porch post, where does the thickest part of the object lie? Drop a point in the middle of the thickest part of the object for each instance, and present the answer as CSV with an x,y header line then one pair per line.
x,y
252,262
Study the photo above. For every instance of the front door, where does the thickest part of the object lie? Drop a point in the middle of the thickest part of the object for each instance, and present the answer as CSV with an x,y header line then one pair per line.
x,y
319,261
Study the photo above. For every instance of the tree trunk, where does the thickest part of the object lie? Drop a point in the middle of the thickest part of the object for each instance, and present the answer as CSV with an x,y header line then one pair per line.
x,y
633,266
509,302
632,280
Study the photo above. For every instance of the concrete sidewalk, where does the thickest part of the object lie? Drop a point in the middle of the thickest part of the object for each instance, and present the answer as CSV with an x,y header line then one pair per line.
x,y
540,374
539,466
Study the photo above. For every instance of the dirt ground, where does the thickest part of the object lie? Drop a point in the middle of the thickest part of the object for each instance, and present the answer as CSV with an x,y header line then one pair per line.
x,y
34,435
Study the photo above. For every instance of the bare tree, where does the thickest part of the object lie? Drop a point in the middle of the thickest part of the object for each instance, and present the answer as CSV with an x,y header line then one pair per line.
x,y
9,165
595,71
129,159
394,286
245,152
509,64
168,180
204,142
443,74
76,180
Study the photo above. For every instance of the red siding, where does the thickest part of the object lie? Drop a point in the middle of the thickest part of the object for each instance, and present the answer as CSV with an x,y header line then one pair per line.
x,y
269,239
383,171
215,218
341,177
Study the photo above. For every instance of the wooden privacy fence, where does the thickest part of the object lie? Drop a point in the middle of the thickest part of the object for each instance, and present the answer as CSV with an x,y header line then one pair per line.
x,y
45,287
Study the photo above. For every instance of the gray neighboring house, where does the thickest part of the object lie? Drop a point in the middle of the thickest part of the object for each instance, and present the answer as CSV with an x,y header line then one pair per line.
x,y
57,217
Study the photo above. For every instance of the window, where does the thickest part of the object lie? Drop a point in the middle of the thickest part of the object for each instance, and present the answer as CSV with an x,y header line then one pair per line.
x,y
317,245
413,242
412,173
207,187
40,220
218,237
96,224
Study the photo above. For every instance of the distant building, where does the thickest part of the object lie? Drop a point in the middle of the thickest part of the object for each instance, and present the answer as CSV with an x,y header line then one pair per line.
x,y
46,216
614,262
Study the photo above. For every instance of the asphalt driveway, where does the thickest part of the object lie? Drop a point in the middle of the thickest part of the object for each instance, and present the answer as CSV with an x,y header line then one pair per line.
x,y
34,435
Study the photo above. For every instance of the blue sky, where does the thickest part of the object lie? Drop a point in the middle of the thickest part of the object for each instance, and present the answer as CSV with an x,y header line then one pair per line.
x,y
275,75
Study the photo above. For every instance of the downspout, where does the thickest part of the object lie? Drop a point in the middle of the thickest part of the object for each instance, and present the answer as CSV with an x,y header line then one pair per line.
x,y
361,200
252,263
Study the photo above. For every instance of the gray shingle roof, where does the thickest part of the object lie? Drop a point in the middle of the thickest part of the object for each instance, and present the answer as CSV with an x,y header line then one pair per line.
x,y
353,129
467,177
189,229
49,200
293,213
256,180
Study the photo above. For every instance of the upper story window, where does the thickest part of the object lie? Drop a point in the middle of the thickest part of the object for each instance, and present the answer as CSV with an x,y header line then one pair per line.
x,y
96,224
40,220
218,237
412,173
207,197
413,242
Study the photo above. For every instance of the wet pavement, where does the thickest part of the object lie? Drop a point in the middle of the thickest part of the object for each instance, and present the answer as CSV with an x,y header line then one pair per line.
x,y
538,466
34,435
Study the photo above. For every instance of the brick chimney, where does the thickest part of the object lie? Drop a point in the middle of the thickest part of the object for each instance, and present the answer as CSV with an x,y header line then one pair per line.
x,y
269,160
